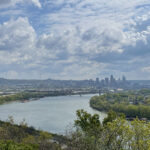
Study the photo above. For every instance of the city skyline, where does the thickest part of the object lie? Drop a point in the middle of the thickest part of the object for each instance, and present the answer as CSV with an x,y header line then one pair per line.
x,y
94,78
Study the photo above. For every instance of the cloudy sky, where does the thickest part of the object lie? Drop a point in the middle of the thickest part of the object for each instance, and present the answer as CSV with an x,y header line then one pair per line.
x,y
74,39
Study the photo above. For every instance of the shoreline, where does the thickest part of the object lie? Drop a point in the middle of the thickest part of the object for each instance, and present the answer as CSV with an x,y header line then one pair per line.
x,y
32,96
106,103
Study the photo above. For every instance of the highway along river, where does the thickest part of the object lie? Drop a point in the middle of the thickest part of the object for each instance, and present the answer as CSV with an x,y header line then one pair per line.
x,y
53,114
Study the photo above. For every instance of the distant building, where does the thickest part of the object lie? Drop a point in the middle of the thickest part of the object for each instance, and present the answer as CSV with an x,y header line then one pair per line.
x,y
107,81
102,82
123,78
112,81
97,81
91,82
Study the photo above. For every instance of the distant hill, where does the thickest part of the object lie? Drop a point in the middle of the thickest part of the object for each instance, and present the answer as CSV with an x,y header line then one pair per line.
x,y
51,83
45,83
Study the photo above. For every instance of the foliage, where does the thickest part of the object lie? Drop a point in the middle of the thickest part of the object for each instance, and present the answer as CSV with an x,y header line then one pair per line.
x,y
23,96
22,137
87,122
132,104
11,145
116,133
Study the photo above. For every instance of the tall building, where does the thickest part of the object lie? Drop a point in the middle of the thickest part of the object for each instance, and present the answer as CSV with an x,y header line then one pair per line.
x,y
111,79
97,80
123,78
91,82
102,82
106,81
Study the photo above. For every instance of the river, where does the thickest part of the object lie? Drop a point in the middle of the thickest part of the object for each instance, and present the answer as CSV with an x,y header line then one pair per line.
x,y
53,114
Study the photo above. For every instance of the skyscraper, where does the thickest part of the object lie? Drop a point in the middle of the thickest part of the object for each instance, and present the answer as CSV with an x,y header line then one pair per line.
x,y
111,79
123,78
106,81
97,81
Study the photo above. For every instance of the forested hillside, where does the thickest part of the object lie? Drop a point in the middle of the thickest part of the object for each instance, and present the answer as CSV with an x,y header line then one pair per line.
x,y
22,137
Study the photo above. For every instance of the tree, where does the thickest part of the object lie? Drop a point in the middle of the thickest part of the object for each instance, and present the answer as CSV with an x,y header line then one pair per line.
x,y
116,133
90,124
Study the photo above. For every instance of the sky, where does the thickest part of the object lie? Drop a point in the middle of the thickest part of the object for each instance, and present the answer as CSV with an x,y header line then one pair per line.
x,y
74,39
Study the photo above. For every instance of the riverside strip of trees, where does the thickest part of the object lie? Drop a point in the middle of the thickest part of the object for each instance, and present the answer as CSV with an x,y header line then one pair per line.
x,y
133,103
22,96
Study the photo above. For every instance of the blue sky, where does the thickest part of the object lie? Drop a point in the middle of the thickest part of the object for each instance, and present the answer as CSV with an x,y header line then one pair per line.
x,y
74,39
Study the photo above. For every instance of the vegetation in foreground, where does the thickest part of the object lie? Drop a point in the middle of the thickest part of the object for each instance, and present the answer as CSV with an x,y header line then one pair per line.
x,y
132,104
114,133
21,137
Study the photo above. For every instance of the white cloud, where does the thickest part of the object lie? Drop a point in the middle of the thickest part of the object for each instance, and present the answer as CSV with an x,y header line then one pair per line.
x,y
93,37
146,69
11,3
17,41
37,3
16,34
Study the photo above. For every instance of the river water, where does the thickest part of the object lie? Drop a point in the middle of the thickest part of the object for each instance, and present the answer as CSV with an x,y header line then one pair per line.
x,y
53,114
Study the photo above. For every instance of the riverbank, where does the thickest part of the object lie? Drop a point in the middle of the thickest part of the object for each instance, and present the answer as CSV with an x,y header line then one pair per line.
x,y
26,96
131,104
